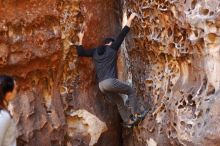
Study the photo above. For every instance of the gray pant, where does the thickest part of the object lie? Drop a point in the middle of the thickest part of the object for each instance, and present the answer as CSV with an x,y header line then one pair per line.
x,y
113,88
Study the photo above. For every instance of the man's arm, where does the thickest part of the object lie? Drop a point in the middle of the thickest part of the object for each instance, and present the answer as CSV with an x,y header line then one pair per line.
x,y
84,52
117,43
81,50
126,27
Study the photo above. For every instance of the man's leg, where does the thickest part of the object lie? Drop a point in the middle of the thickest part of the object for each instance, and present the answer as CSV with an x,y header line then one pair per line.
x,y
123,110
119,87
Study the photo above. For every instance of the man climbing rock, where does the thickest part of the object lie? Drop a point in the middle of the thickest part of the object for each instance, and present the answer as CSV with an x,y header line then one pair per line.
x,y
105,58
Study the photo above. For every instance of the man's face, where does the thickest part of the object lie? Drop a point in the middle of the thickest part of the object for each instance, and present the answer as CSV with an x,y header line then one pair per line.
x,y
109,44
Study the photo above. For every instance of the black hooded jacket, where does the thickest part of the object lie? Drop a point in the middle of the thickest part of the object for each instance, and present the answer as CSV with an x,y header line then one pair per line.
x,y
105,57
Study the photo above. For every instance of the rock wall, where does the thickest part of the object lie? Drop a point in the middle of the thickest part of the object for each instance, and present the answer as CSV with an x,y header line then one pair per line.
x,y
58,101
171,56
174,52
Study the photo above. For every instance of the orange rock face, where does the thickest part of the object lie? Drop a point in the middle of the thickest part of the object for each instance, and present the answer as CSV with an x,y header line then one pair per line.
x,y
171,56
53,82
174,52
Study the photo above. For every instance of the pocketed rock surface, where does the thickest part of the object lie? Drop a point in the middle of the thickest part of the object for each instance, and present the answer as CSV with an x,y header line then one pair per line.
x,y
171,57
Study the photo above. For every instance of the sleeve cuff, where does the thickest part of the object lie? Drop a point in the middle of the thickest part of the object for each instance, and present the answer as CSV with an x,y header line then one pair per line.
x,y
77,46
126,27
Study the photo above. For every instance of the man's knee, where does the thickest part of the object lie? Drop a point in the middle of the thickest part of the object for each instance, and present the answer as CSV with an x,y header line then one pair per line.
x,y
105,85
108,85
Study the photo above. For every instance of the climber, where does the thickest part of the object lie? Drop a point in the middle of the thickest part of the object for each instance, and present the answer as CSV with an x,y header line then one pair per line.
x,y
104,58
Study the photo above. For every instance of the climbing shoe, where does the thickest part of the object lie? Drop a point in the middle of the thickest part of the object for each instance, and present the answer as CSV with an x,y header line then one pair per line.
x,y
135,119
126,125
132,122
141,116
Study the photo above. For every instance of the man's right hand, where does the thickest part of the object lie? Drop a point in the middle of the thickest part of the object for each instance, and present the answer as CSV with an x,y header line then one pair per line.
x,y
124,19
132,16
127,21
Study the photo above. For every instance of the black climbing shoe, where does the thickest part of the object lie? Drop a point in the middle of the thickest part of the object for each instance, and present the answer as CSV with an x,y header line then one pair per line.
x,y
142,115
131,123
135,119
126,125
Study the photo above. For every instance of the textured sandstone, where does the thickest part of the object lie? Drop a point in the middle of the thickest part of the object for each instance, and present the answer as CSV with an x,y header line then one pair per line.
x,y
174,56
53,82
84,123
171,57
